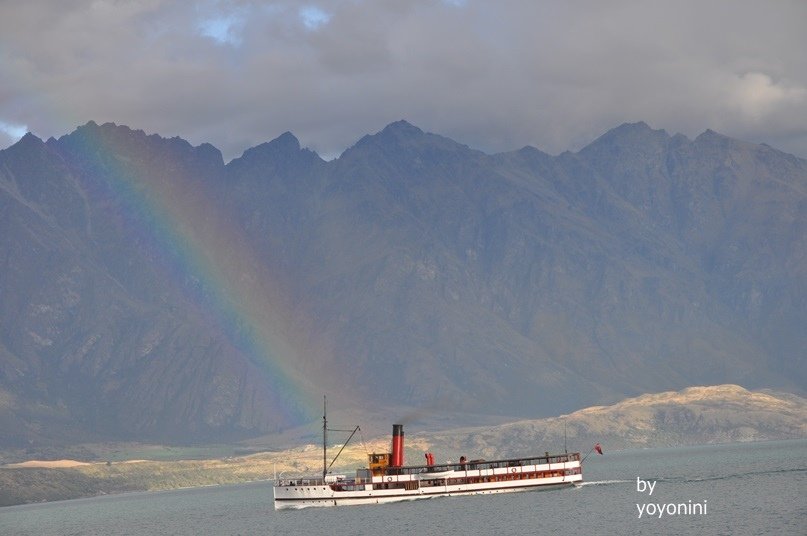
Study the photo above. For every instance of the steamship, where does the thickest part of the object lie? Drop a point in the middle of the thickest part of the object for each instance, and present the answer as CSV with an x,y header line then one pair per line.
x,y
386,479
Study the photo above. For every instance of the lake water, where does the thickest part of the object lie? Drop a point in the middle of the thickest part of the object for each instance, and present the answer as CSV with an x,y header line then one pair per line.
x,y
752,488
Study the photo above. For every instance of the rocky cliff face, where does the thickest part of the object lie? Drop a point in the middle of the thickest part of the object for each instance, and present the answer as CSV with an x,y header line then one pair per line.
x,y
410,271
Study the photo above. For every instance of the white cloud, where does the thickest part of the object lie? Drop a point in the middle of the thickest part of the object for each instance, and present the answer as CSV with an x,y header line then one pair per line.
x,y
756,94
11,132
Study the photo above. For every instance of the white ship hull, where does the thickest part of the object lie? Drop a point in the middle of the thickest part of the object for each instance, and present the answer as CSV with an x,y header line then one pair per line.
x,y
414,483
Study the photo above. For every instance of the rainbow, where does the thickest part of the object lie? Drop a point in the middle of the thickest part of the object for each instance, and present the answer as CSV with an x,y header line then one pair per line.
x,y
189,234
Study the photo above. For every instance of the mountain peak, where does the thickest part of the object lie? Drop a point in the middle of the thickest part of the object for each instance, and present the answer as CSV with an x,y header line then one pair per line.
x,y
630,132
29,140
637,138
285,144
28,144
109,131
282,155
92,126
402,136
286,141
710,135
639,126
402,128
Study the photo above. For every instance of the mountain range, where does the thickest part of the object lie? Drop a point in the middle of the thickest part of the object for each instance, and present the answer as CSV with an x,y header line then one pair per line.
x,y
150,291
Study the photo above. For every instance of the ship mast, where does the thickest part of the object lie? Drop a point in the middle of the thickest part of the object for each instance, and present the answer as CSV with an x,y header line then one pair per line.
x,y
325,429
324,437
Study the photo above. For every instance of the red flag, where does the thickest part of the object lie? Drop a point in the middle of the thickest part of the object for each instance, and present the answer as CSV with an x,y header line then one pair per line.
x,y
598,448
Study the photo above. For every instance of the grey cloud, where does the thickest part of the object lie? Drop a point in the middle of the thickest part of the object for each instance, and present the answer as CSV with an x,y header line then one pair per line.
x,y
494,75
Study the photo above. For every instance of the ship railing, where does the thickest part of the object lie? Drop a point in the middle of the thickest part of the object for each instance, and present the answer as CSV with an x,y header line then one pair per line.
x,y
301,482
313,481
482,465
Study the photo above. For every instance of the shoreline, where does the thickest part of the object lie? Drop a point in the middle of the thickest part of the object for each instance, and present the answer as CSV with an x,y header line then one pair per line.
x,y
39,481
90,480
60,464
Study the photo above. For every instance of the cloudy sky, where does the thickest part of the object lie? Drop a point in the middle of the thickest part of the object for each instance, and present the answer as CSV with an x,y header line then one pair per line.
x,y
496,75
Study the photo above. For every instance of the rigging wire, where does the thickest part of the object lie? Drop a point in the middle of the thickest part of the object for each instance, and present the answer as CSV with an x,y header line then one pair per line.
x,y
343,446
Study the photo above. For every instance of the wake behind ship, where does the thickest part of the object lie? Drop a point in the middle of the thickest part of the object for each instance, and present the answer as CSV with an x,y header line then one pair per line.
x,y
386,478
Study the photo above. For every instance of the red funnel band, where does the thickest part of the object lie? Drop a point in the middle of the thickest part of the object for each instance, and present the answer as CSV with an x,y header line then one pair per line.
x,y
397,446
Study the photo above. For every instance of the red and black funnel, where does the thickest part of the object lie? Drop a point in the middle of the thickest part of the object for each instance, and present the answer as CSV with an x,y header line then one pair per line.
x,y
397,446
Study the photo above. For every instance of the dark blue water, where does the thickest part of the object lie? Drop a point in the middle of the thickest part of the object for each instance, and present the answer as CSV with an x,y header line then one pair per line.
x,y
753,488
